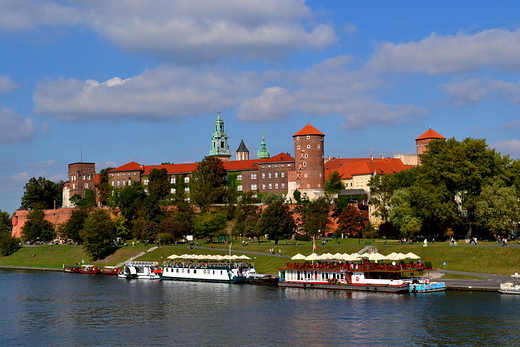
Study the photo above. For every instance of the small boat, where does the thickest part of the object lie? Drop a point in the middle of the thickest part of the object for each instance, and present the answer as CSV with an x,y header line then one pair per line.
x,y
72,268
425,286
141,270
111,271
90,269
512,287
224,269
263,279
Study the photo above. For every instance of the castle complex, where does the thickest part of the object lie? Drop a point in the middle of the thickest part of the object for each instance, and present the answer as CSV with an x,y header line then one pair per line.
x,y
307,171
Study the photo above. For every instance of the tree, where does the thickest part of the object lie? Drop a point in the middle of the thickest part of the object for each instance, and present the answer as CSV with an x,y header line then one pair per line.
x,y
207,183
350,222
334,184
87,201
128,201
144,229
99,235
498,210
41,194
403,215
37,228
277,222
314,216
104,186
210,224
8,244
247,216
72,228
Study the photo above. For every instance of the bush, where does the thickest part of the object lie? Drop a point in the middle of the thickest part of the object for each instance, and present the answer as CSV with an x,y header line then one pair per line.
x,y
302,237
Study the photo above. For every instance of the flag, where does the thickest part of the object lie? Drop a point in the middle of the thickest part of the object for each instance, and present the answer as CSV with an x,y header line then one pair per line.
x,y
313,243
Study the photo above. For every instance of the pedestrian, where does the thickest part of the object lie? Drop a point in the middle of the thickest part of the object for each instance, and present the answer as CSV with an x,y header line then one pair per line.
x,y
280,252
504,242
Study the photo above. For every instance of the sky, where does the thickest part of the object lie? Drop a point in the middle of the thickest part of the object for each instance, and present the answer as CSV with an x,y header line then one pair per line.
x,y
115,81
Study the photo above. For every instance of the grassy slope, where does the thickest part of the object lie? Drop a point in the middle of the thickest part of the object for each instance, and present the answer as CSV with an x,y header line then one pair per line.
x,y
493,260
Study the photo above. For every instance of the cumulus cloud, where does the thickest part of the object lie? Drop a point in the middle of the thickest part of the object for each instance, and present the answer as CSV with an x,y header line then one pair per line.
x,y
6,85
29,14
512,147
474,90
14,128
156,94
438,54
272,104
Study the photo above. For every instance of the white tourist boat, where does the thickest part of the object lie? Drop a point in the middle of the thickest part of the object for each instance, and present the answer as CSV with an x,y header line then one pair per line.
x,y
208,268
512,287
141,270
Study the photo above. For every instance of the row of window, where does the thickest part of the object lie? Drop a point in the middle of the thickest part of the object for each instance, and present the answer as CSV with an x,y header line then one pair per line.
x,y
308,146
85,177
85,185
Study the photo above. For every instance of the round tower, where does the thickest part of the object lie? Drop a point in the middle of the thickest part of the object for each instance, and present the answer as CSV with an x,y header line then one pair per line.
x,y
422,141
308,159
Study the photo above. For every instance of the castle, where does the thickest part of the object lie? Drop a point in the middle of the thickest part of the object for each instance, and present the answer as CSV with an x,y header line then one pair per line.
x,y
307,171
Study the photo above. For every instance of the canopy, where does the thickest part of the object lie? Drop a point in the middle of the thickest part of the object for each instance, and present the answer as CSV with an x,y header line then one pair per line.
x,y
298,257
313,256
411,255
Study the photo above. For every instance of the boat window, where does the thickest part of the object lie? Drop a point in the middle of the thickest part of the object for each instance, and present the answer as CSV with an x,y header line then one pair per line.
x,y
194,271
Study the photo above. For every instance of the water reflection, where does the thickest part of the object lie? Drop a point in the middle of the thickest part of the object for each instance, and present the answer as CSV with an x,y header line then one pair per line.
x,y
67,309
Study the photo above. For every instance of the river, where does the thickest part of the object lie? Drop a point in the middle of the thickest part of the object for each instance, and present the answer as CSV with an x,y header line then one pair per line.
x,y
57,309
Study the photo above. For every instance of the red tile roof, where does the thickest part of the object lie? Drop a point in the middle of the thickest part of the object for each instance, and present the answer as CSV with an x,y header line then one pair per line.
x,y
430,134
309,130
132,166
349,167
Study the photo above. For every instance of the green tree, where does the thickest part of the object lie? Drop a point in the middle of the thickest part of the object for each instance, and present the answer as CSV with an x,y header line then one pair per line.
x,y
314,217
210,224
87,201
334,184
8,244
403,215
144,229
277,222
207,185
122,229
498,210
37,228
72,228
247,215
350,222
128,201
103,186
99,235
41,194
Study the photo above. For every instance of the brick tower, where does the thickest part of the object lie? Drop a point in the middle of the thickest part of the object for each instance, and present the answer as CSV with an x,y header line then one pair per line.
x,y
308,175
422,141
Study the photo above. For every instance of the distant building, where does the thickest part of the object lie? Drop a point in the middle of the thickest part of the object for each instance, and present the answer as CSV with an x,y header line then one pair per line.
x,y
422,141
82,177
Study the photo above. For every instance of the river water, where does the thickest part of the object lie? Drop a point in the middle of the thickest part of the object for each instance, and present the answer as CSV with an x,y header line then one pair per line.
x,y
57,309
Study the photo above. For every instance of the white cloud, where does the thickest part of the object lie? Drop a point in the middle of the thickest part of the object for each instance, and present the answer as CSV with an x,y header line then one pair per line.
x,y
474,90
29,14
272,104
14,128
511,147
450,54
6,85
156,94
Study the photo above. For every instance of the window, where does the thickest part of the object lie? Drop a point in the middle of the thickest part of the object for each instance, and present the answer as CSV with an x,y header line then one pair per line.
x,y
239,187
270,175
118,183
276,175
173,180
113,183
270,186
253,176
263,174
173,190
298,147
73,185
187,190
282,174
318,146
124,183
254,187
283,185
86,185
308,137
239,177
124,174
308,146
276,186
263,186
187,179
146,181
304,164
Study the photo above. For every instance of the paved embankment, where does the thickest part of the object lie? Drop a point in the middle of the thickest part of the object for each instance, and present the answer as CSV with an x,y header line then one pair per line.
x,y
31,268
491,283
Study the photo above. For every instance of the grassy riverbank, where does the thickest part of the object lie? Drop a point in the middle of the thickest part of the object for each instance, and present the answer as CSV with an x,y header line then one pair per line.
x,y
484,258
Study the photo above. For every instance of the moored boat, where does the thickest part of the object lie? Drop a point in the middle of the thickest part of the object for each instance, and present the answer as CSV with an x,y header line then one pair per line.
x,y
425,286
264,279
90,269
112,271
141,270
72,268
208,268
512,287
355,275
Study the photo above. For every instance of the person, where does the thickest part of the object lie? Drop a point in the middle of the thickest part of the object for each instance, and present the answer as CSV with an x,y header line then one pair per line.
x,y
280,252
504,242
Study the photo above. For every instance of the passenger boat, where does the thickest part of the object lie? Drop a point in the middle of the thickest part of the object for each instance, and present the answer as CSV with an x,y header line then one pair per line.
x,y
512,287
358,275
208,268
141,270
425,286
90,269
111,271
72,268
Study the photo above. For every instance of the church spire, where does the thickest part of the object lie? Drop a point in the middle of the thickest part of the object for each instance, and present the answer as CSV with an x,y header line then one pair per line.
x,y
263,153
219,141
242,152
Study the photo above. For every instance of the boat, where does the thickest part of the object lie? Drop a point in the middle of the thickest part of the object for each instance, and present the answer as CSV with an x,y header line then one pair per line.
x,y
112,271
208,268
359,275
141,270
425,286
90,269
72,268
512,287
263,279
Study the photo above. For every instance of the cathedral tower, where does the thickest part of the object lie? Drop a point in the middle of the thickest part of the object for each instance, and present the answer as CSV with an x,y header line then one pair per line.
x,y
242,152
263,153
219,141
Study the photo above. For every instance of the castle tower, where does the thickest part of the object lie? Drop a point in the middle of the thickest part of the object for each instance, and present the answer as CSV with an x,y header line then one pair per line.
x,y
219,141
422,141
242,152
81,179
309,166
263,153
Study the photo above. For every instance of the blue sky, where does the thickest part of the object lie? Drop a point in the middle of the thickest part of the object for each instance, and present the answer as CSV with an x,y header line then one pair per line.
x,y
117,81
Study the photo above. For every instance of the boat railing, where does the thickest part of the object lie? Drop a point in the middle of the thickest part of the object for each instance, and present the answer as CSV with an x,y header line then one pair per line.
x,y
204,265
354,267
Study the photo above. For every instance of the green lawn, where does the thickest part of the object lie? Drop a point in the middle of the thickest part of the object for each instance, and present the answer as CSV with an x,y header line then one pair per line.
x,y
464,257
